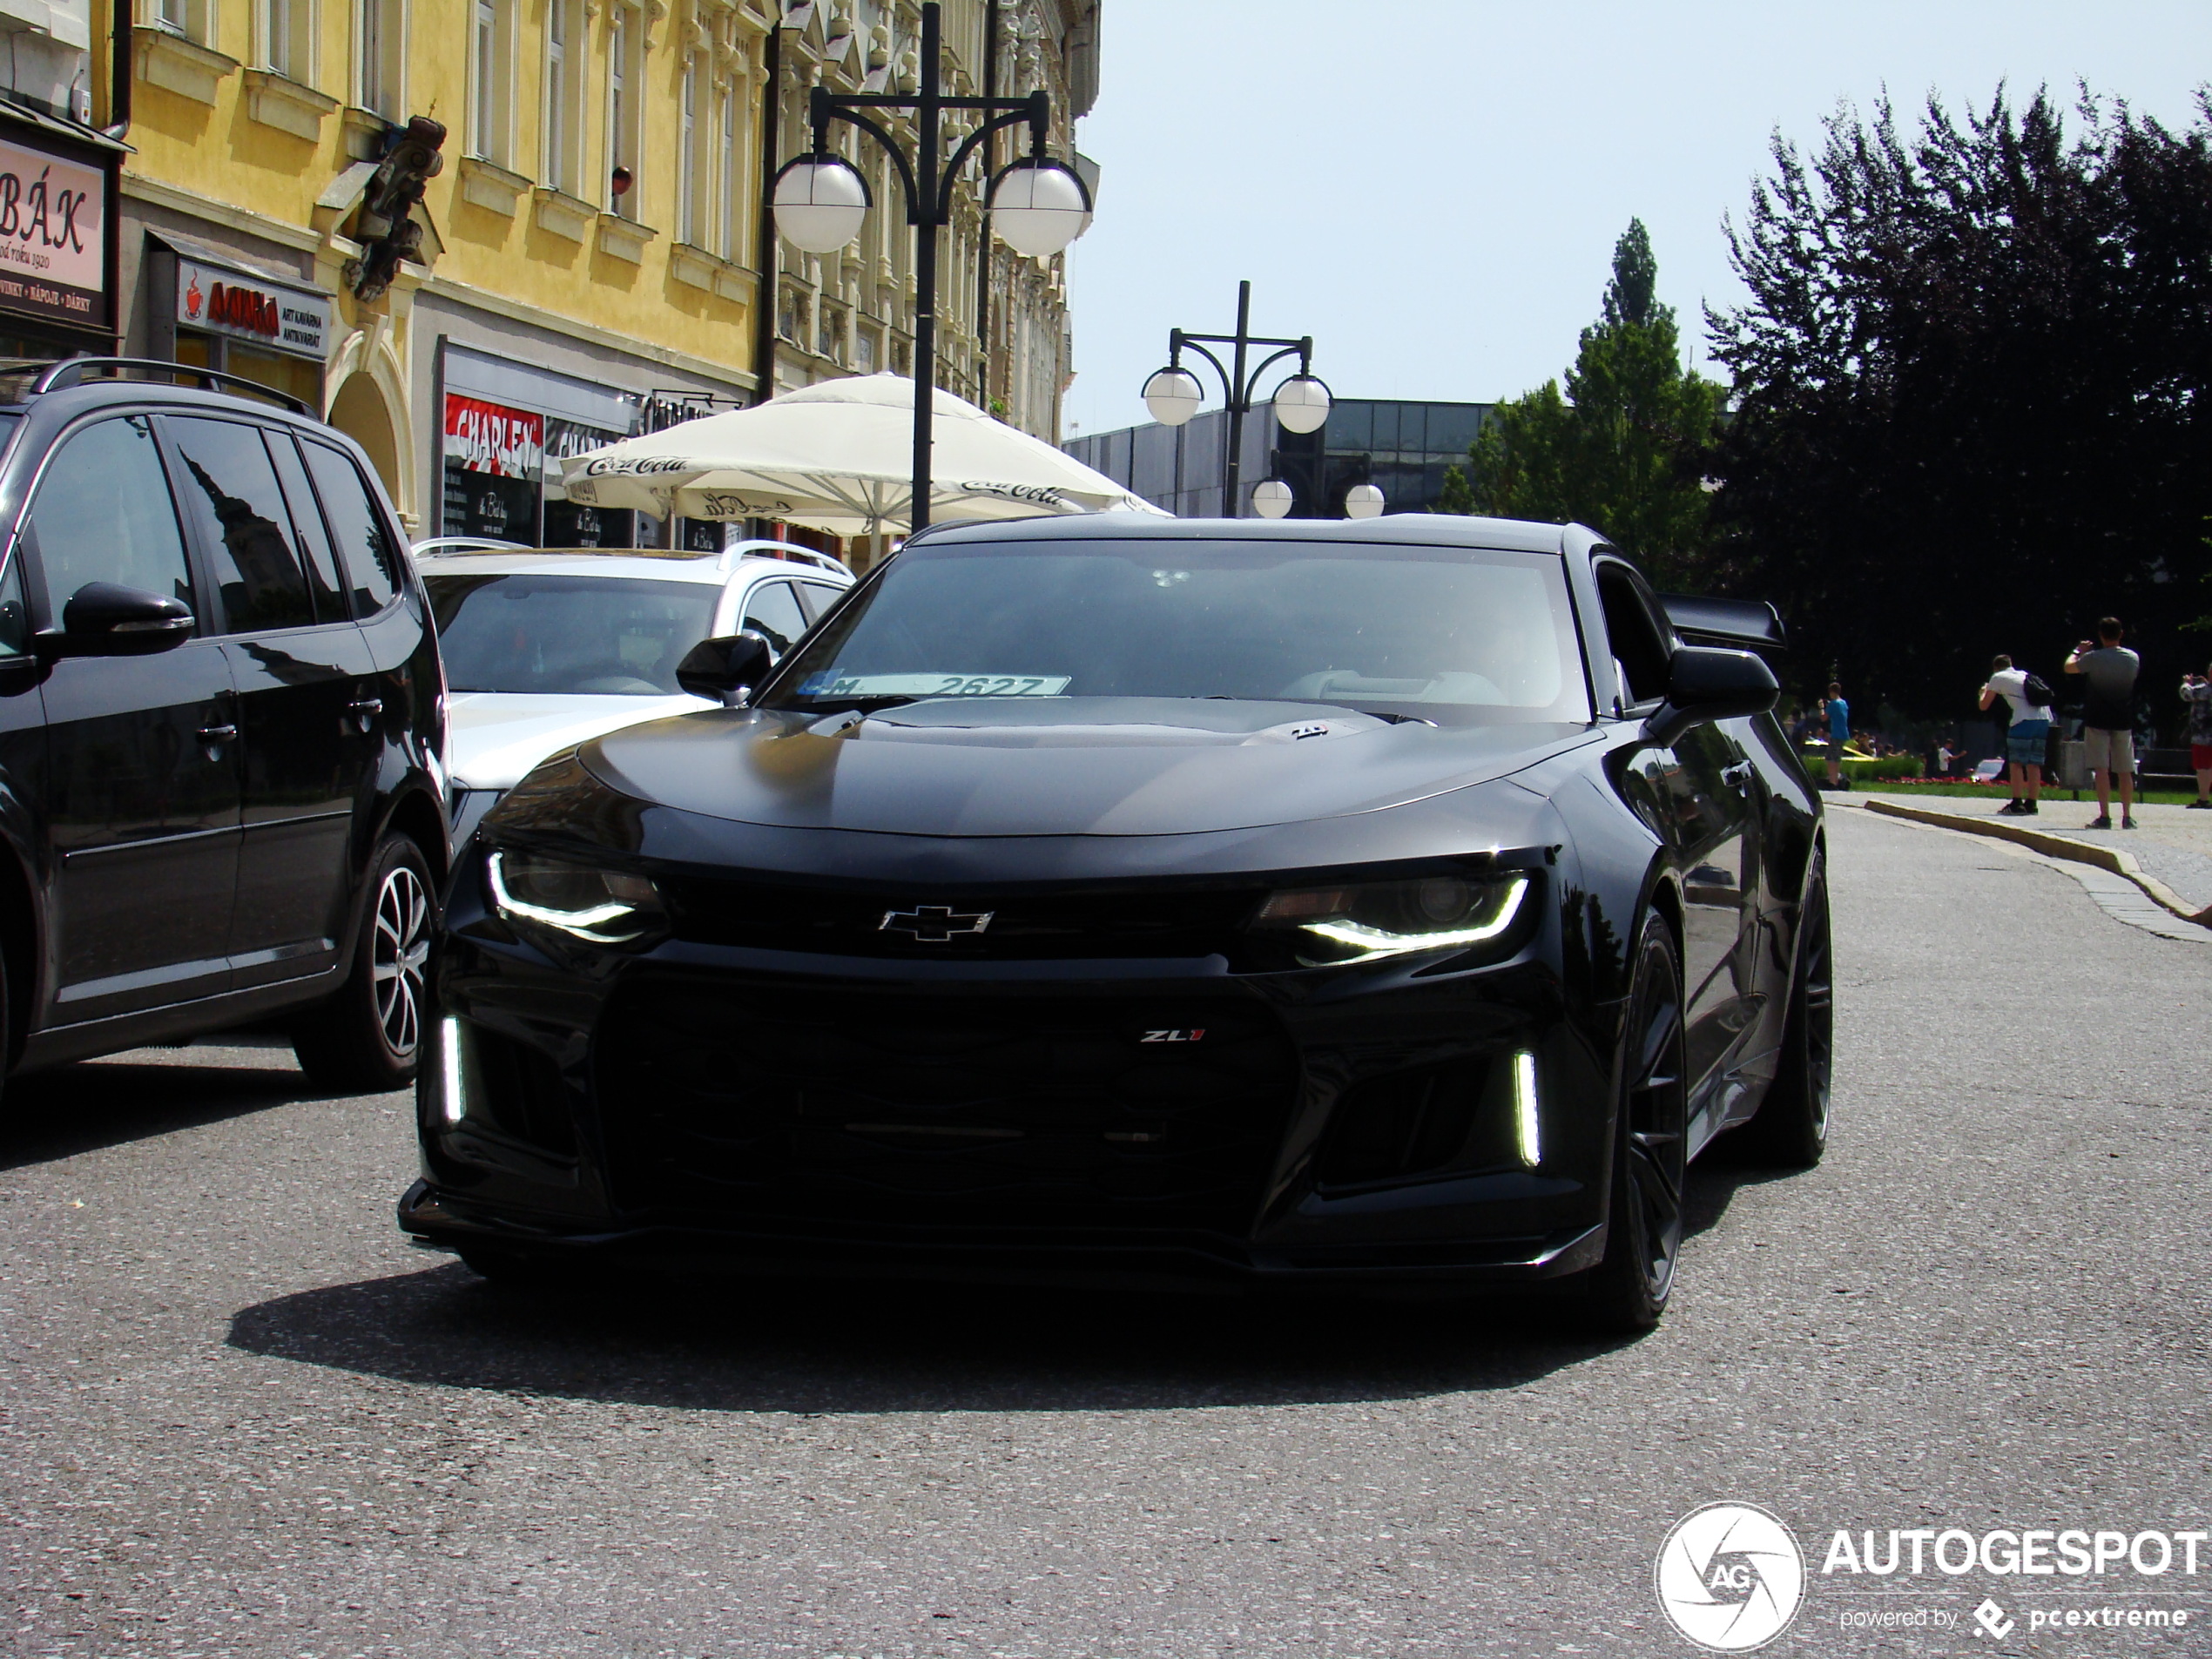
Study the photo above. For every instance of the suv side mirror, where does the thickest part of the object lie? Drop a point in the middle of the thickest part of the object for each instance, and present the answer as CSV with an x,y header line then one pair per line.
x,y
726,667
1705,683
107,619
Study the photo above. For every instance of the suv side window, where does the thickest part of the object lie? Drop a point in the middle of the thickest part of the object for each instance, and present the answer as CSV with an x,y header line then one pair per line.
x,y
15,626
818,597
772,609
329,586
103,514
232,489
372,564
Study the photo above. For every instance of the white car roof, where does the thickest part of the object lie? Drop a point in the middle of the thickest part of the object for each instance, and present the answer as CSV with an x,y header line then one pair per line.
x,y
653,564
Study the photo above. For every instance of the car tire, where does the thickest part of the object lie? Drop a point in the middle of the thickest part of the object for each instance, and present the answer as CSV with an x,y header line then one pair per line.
x,y
1790,1128
1627,1291
367,1039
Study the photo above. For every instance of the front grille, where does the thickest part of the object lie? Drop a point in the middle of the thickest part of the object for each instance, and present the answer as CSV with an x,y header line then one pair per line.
x,y
516,1089
1151,922
1055,1113
1407,1123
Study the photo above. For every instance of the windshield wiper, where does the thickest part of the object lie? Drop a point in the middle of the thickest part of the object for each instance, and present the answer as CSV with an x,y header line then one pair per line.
x,y
841,704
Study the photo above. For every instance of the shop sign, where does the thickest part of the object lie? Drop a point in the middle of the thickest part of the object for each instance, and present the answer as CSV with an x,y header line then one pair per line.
x,y
492,438
53,236
224,302
566,438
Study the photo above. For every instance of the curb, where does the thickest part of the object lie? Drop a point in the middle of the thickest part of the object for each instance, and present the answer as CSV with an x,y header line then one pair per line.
x,y
2116,859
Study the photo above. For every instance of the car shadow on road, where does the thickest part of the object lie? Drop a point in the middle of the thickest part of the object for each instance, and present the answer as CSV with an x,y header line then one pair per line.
x,y
84,1108
836,1346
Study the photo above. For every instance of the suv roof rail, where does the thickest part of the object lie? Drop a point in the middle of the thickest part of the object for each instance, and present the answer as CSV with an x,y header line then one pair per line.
x,y
791,552
71,371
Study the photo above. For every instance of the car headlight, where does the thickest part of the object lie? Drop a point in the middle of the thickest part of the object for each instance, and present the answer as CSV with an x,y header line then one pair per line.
x,y
1360,922
598,906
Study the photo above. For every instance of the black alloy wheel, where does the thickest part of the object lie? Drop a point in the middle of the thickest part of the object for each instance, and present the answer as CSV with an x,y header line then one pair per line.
x,y
367,1039
1790,1130
1627,1290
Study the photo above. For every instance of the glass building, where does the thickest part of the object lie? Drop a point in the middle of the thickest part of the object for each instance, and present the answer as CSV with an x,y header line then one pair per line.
x,y
1402,448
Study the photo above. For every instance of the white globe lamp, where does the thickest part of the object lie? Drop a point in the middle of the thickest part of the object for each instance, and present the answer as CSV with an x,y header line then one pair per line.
x,y
1301,404
1363,500
820,203
1271,498
1038,208
1173,395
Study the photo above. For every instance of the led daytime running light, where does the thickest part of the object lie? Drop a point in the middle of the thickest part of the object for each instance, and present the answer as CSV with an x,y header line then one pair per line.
x,y
1377,942
579,924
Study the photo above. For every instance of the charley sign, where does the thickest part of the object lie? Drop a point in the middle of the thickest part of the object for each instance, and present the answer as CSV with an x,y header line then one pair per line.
x,y
53,236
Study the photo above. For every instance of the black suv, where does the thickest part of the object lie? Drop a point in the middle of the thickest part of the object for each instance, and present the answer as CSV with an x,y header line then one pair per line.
x,y
221,714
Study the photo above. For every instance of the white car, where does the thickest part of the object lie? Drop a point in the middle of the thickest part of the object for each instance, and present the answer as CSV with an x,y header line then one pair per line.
x,y
546,648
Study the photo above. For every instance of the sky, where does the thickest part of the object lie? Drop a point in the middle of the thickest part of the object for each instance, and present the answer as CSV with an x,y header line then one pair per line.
x,y
1434,191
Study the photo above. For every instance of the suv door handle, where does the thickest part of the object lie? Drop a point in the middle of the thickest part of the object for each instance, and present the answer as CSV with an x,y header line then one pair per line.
x,y
365,711
1736,775
213,735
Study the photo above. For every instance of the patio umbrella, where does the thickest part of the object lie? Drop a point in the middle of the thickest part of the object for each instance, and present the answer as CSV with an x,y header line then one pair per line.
x,y
839,457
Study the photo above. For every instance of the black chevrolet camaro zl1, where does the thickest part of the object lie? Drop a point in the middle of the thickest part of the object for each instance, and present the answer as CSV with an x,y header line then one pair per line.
x,y
1403,902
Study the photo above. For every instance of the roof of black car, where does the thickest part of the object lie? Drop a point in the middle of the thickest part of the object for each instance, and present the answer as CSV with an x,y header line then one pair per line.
x,y
1420,530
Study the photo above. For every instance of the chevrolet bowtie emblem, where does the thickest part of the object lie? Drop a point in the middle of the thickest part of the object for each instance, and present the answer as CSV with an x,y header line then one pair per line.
x,y
933,924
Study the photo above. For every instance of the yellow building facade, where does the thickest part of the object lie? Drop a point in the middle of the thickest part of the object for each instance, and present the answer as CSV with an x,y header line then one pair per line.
x,y
592,258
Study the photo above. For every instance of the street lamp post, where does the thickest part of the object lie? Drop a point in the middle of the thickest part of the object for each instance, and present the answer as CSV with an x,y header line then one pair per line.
x,y
1301,402
1036,205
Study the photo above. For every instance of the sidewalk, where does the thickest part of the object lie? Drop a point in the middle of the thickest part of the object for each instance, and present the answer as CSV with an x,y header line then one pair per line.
x,y
2173,845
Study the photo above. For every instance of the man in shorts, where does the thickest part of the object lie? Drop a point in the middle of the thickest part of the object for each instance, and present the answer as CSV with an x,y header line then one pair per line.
x,y
2197,698
2026,738
1838,714
2109,722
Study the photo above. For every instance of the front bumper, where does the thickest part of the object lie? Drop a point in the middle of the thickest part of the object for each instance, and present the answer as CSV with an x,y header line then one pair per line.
x,y
1114,1121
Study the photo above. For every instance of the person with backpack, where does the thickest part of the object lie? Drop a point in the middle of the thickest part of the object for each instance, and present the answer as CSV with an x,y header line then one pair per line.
x,y
2108,723
2030,700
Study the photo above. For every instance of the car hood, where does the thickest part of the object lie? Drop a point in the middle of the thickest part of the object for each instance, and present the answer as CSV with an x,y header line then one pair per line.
x,y
493,738
976,766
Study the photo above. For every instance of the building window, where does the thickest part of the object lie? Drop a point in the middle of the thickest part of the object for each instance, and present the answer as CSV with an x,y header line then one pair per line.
x,y
193,19
287,29
625,103
560,97
726,239
687,165
490,42
383,24
864,351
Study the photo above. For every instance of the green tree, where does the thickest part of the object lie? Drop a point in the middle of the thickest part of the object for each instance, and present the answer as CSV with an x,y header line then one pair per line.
x,y
1457,496
1622,450
1974,376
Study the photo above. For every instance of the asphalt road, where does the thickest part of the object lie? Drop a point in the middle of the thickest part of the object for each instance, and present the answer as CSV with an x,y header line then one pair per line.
x,y
238,1415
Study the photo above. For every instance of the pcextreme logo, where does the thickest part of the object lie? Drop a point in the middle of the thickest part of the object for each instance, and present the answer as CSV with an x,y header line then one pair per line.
x,y
1731,1577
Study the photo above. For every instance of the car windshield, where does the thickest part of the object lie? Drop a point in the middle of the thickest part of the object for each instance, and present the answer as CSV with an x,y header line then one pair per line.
x,y
583,635
1451,635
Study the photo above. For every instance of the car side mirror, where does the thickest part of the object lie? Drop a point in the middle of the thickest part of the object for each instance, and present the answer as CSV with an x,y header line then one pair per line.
x,y
1705,683
726,667
107,619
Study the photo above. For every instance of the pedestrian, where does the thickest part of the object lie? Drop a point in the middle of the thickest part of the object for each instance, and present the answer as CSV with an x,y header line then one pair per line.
x,y
1947,757
2109,721
2024,737
1838,713
2196,696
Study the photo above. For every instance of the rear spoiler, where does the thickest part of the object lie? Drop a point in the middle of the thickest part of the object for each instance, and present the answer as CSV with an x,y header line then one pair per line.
x,y
1743,624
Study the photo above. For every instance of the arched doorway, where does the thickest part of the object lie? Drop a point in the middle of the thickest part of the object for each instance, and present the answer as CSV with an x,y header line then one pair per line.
x,y
359,412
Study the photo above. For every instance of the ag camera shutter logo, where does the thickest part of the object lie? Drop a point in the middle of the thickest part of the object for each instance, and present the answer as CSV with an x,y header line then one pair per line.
x,y
1731,1577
